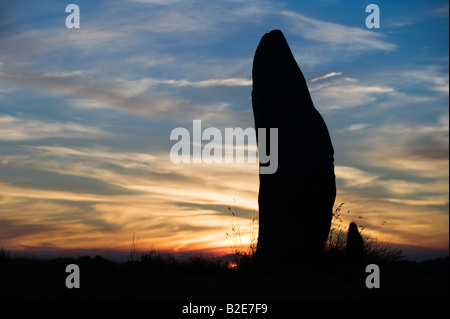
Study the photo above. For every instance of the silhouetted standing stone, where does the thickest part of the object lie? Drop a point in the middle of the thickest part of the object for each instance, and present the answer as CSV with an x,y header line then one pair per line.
x,y
295,203
355,245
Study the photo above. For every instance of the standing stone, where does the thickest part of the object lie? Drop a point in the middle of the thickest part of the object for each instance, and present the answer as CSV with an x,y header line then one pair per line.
x,y
355,245
296,202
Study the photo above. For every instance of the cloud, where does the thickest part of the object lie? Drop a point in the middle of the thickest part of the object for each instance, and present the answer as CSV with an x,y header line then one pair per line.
x,y
13,229
156,183
130,96
444,8
136,87
431,76
346,93
354,177
420,190
42,194
337,35
17,129
177,18
421,150
151,206
109,93
405,191
60,218
100,155
21,49
209,83
141,173
326,76
356,127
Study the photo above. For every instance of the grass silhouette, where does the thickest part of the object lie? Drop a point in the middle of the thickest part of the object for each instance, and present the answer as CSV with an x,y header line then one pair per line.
x,y
238,252
157,275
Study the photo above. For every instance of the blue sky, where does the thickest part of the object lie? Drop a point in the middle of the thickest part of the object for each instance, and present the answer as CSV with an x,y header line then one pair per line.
x,y
86,115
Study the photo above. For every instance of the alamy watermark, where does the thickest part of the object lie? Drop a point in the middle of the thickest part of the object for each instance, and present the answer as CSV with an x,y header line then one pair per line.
x,y
373,279
373,19
73,280
219,150
73,19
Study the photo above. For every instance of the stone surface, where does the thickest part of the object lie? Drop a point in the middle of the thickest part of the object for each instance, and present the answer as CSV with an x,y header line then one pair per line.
x,y
295,203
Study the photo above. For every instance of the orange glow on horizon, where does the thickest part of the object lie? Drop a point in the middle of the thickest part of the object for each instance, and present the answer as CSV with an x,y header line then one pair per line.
x,y
191,214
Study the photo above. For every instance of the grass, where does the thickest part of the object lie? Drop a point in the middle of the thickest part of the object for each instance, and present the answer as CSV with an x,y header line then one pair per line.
x,y
241,255
234,237
374,250
156,275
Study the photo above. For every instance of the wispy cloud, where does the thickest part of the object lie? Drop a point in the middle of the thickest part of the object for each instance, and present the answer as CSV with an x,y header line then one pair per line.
x,y
209,83
11,229
419,150
338,35
432,76
165,204
357,126
136,87
130,96
19,129
140,171
326,76
403,191
354,176
346,93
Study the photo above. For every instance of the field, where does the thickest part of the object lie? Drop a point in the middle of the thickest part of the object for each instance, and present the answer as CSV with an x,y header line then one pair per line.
x,y
158,276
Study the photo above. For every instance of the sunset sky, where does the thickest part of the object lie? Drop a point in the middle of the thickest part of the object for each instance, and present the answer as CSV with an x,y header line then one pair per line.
x,y
86,115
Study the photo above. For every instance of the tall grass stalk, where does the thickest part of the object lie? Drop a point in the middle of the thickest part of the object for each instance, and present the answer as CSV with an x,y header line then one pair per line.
x,y
253,235
241,255
133,251
337,238
234,237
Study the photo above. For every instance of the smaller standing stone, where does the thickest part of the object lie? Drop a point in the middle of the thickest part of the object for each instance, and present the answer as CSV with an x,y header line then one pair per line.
x,y
355,246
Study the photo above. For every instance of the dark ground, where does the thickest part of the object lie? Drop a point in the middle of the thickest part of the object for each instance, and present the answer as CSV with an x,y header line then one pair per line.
x,y
161,277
